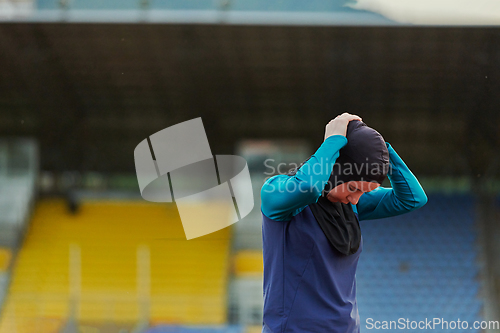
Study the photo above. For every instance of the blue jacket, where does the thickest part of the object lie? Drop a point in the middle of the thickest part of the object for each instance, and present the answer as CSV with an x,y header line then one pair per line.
x,y
308,285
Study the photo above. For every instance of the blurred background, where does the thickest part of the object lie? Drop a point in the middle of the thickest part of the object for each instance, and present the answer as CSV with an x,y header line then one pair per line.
x,y
82,82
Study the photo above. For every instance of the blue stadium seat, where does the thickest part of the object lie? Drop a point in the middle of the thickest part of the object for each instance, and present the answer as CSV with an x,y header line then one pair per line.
x,y
421,265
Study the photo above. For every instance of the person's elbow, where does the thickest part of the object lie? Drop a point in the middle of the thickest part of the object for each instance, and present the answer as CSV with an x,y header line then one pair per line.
x,y
419,200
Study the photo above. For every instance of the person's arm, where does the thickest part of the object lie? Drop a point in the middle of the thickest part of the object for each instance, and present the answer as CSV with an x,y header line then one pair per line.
x,y
405,195
283,196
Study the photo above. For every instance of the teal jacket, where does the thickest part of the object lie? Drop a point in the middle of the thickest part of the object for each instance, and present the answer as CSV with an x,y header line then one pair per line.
x,y
285,196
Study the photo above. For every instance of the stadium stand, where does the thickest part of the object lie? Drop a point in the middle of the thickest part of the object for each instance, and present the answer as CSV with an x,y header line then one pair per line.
x,y
421,265
86,266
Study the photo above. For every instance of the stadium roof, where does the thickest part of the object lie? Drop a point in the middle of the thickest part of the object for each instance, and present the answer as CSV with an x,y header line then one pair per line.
x,y
265,12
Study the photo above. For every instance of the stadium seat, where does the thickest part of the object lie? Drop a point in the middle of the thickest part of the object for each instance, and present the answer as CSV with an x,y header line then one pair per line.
x,y
88,263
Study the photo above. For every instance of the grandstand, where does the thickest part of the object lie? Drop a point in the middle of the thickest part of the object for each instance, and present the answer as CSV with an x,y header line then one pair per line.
x,y
83,82
116,262
423,265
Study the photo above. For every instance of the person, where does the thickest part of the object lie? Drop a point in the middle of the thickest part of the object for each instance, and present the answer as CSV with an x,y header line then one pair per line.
x,y
310,226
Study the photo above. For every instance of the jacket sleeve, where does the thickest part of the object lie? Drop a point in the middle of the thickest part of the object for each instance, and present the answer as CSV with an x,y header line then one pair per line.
x,y
283,196
405,195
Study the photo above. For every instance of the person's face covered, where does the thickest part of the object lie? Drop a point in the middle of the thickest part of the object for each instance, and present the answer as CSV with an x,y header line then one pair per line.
x,y
350,192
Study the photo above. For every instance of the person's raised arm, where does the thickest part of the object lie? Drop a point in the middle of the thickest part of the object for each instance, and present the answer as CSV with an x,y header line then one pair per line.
x,y
283,196
405,195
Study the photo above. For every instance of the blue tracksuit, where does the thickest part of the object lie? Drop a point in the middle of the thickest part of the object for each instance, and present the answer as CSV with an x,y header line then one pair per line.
x,y
308,285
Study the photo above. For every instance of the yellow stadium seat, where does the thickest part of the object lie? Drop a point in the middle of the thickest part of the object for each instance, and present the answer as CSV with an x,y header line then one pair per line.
x,y
253,329
248,263
87,264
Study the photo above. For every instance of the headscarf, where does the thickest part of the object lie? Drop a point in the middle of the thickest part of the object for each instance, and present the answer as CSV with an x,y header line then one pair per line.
x,y
365,157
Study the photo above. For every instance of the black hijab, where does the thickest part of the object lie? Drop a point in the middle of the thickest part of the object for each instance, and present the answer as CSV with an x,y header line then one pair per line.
x,y
364,158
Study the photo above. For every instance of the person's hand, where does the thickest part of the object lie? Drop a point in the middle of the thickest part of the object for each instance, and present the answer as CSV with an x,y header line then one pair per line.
x,y
338,126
